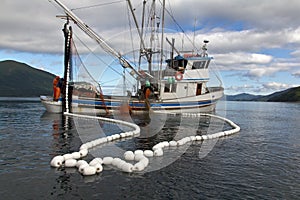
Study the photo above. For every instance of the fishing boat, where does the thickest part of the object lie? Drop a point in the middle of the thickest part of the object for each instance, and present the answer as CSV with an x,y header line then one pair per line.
x,y
177,84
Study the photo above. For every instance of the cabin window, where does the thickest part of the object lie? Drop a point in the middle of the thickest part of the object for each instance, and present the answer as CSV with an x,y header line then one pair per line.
x,y
201,64
178,63
170,88
199,89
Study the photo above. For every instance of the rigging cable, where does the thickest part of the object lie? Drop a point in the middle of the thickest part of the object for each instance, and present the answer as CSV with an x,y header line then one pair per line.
x,y
174,20
131,36
97,5
99,58
79,58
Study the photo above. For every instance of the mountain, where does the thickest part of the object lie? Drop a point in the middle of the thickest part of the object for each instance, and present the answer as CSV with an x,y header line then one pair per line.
x,y
289,95
242,97
20,80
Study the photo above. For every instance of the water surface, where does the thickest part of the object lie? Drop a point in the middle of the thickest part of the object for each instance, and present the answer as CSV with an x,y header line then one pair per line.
x,y
260,162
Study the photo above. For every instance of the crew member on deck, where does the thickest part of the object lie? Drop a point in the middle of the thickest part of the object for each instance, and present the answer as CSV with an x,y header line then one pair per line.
x,y
147,90
55,88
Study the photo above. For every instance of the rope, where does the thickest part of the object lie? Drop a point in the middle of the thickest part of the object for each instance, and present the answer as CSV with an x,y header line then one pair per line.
x,y
141,156
97,5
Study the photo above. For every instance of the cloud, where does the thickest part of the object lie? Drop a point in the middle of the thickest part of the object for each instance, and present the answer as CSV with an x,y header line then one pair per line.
x,y
261,88
276,86
238,30
244,58
296,53
296,74
34,28
260,72
240,88
270,87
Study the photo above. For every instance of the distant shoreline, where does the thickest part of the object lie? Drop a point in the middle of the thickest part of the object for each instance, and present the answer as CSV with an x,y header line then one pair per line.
x,y
34,99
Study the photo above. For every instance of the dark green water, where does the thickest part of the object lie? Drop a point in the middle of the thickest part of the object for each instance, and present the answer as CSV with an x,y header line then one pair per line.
x,y
260,162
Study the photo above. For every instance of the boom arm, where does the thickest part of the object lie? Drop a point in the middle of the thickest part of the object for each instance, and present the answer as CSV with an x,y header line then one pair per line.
x,y
92,34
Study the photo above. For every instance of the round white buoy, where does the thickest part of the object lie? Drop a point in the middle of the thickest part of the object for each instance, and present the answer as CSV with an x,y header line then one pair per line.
x,y
127,167
222,134
75,155
89,171
198,138
165,144
204,137
155,147
130,133
109,138
104,140
123,135
180,142
136,132
129,155
107,160
158,152
83,152
115,136
67,156
138,167
82,166
193,138
70,163
89,145
173,143
148,153
138,157
121,163
83,147
138,152
115,162
57,161
96,161
98,167
80,162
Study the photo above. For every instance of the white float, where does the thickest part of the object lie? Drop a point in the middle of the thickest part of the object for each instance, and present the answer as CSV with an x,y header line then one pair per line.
x,y
173,143
89,170
129,155
140,156
107,160
96,161
70,163
76,155
81,162
57,161
148,153
158,152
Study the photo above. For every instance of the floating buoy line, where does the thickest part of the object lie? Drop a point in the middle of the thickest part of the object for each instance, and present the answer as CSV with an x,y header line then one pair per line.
x,y
140,157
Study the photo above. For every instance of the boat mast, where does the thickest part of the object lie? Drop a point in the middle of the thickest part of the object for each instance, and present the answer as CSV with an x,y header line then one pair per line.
x,y
67,30
162,43
92,34
153,31
140,32
142,45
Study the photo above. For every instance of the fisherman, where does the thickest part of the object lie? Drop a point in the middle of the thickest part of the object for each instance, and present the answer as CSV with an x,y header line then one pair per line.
x,y
147,90
55,88
60,83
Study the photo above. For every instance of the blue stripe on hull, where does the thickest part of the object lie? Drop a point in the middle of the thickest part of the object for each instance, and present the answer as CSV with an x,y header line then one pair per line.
x,y
141,105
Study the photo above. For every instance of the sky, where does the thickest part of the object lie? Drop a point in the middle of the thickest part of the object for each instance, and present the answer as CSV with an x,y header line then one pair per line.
x,y
255,44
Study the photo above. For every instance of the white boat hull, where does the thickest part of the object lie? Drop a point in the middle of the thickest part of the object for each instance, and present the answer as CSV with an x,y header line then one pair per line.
x,y
195,104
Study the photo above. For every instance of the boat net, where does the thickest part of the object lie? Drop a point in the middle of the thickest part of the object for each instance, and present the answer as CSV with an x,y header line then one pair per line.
x,y
82,82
